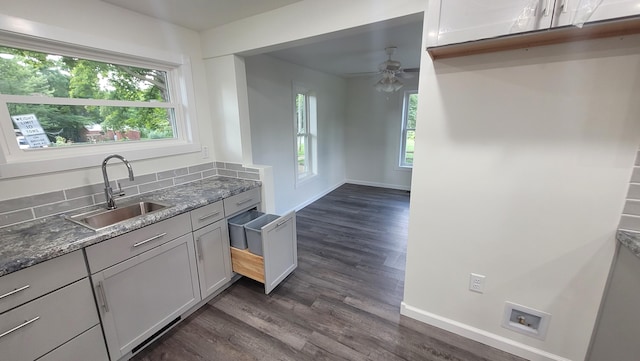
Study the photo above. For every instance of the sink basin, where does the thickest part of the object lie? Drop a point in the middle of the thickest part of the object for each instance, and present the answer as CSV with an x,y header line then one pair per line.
x,y
105,218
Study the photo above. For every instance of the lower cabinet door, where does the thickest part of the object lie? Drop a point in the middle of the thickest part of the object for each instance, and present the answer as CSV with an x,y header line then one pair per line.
x,y
280,249
214,257
88,346
143,295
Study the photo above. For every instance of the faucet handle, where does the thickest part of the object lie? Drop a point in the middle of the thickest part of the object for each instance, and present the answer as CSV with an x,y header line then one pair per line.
x,y
120,192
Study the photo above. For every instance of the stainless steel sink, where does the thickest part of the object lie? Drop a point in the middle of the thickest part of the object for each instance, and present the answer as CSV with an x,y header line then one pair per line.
x,y
104,218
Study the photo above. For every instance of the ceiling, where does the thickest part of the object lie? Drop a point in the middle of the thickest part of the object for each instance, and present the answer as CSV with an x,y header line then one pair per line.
x,y
353,52
200,15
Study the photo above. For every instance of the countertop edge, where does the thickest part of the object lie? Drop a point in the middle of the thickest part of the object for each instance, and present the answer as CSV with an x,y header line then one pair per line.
x,y
200,193
629,239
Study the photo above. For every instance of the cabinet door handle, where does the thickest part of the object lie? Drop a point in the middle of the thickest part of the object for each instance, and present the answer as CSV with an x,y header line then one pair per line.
x,y
546,8
14,291
282,223
564,5
243,202
103,297
150,239
208,216
25,323
199,249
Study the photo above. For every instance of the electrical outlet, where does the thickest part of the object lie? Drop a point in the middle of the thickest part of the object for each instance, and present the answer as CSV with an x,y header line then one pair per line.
x,y
476,283
205,152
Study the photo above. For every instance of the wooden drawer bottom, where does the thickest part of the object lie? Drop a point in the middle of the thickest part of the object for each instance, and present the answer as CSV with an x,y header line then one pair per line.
x,y
247,264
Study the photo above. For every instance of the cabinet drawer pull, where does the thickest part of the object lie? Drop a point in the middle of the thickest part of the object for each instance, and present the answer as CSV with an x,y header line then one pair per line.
x,y
102,296
208,216
150,239
20,326
243,202
282,223
14,291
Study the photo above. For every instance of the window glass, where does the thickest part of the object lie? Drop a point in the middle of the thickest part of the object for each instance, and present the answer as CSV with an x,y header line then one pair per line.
x,y
408,128
303,136
55,100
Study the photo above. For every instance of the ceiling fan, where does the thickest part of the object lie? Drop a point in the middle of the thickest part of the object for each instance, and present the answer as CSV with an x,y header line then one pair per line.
x,y
391,70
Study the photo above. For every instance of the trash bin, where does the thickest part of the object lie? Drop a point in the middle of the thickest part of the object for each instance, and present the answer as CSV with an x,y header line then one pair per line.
x,y
253,231
236,228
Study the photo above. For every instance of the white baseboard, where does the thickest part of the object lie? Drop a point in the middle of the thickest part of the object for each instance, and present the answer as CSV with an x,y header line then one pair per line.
x,y
476,334
381,185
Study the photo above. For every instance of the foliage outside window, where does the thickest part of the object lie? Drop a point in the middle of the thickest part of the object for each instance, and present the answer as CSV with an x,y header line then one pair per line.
x,y
305,128
78,101
409,113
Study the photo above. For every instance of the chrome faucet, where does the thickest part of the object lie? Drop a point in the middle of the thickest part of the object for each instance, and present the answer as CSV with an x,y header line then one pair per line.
x,y
108,192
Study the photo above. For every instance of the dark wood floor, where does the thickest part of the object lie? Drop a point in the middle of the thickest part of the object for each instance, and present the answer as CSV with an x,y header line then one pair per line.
x,y
341,303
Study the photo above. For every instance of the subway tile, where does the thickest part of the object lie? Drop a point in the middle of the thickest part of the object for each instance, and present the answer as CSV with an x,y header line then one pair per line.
x,y
15,217
200,167
62,206
144,188
634,191
252,170
632,207
233,166
209,173
173,173
246,175
638,158
219,164
31,201
85,190
146,178
228,173
635,175
631,223
187,178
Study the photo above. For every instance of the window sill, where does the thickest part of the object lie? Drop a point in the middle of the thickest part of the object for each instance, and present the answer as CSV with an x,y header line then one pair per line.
x,y
94,158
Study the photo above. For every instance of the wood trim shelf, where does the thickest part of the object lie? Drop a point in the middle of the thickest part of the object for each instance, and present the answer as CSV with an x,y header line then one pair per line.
x,y
247,264
603,29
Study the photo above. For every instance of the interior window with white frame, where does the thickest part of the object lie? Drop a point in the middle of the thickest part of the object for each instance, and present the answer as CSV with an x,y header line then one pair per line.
x,y
58,103
409,112
305,130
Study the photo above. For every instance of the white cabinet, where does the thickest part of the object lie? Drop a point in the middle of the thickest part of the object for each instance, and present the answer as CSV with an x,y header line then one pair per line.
x,y
458,21
47,308
280,254
608,9
35,328
145,294
214,257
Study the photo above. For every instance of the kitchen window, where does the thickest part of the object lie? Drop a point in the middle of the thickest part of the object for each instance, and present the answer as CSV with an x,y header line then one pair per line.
x,y
409,112
65,107
305,129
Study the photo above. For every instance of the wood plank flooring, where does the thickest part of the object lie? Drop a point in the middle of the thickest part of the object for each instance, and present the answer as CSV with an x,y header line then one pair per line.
x,y
341,303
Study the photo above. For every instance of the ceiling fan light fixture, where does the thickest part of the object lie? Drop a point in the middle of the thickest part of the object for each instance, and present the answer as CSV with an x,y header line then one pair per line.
x,y
388,84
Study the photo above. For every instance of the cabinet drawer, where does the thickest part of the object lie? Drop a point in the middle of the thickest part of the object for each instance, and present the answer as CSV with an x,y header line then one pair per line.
x,y
241,202
280,253
118,249
25,285
206,215
33,329
89,346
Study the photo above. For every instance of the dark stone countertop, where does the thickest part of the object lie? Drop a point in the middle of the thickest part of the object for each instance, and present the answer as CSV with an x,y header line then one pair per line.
x,y
630,239
26,244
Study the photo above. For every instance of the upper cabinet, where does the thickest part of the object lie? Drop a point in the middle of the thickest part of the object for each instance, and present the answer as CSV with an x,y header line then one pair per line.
x,y
459,21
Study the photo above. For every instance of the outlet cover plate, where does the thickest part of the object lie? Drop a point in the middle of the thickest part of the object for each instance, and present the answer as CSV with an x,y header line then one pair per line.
x,y
476,283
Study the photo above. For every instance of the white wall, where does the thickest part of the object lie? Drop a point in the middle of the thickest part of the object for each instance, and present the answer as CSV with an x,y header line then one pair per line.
x,y
270,91
522,163
104,24
373,134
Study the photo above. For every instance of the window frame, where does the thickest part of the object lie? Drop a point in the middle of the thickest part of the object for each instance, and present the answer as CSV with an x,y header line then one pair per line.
x,y
310,134
405,129
15,162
